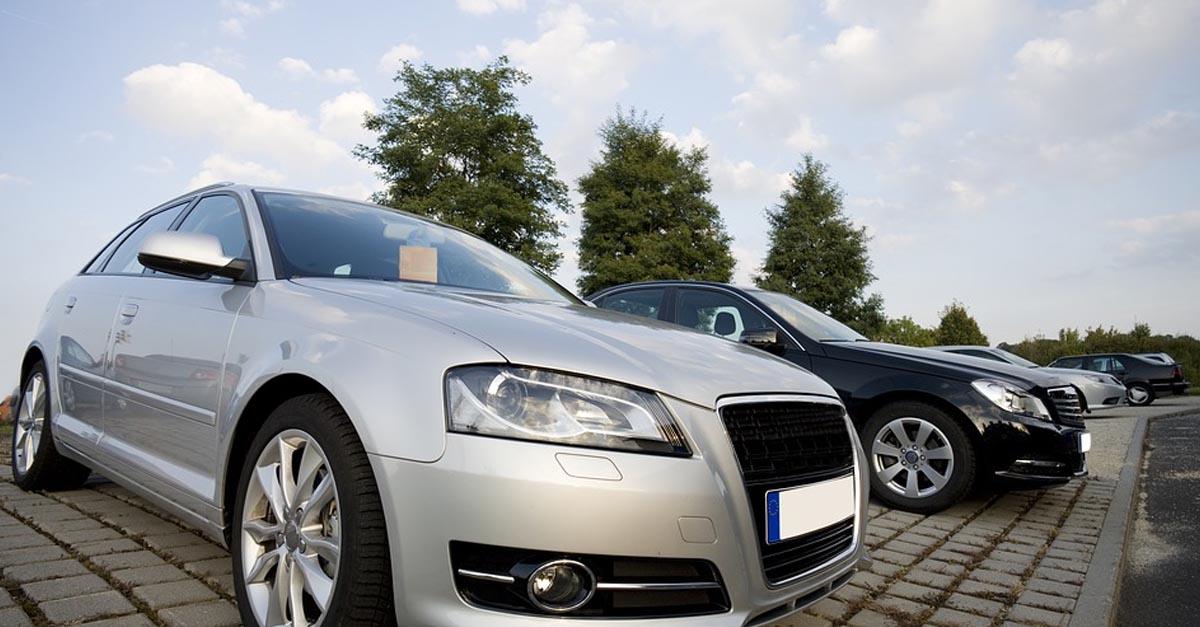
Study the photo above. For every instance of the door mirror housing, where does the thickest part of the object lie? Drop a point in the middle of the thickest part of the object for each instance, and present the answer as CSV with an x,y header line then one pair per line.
x,y
766,339
191,255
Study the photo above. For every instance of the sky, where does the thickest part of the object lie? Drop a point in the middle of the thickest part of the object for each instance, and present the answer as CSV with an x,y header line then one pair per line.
x,y
1037,161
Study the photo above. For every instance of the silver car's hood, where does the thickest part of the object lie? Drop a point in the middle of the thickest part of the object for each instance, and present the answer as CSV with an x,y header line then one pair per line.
x,y
686,364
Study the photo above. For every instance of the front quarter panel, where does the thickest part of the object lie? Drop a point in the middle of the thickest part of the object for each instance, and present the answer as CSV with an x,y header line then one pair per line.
x,y
384,367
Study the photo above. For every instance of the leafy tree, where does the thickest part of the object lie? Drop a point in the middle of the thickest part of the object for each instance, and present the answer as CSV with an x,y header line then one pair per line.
x,y
646,213
958,327
906,331
452,145
816,253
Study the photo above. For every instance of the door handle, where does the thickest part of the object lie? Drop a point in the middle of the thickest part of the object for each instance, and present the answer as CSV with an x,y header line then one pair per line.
x,y
70,304
129,310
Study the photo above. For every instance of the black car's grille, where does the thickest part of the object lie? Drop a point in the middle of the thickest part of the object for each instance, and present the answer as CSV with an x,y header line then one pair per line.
x,y
783,445
1067,405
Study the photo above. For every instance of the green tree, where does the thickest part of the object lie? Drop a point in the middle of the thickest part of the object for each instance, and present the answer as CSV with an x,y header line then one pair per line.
x,y
817,254
958,327
646,212
906,331
452,145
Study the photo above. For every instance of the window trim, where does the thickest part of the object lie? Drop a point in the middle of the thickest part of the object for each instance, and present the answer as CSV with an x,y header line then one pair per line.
x,y
141,221
252,270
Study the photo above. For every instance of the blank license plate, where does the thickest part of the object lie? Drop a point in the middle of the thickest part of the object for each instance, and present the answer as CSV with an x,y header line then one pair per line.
x,y
1085,442
797,511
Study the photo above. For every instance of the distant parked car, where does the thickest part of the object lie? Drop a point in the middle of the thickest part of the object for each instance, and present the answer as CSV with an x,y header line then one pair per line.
x,y
1100,390
930,422
1144,378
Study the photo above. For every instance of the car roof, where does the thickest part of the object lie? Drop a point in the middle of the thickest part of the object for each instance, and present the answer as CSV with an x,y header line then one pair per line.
x,y
963,347
670,282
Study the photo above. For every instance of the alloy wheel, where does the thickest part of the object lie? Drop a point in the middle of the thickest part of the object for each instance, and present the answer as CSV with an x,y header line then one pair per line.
x,y
1138,395
30,422
912,457
291,532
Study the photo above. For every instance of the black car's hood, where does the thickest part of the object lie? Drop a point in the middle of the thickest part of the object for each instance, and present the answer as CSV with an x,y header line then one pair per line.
x,y
951,365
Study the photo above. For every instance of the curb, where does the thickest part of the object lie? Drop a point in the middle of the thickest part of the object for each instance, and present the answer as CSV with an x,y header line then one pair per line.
x,y
1097,603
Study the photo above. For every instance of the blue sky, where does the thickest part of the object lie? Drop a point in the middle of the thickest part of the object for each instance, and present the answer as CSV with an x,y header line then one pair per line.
x,y
1037,161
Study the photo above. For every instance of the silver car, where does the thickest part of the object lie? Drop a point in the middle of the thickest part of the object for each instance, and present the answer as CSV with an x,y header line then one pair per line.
x,y
384,417
1100,390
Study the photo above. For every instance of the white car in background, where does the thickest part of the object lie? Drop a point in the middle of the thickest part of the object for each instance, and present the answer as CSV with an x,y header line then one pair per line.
x,y
1100,390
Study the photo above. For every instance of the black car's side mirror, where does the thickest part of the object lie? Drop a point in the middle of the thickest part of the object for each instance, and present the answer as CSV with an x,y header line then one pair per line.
x,y
766,339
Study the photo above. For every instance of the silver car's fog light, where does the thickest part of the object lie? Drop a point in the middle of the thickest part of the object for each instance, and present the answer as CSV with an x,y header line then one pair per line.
x,y
561,586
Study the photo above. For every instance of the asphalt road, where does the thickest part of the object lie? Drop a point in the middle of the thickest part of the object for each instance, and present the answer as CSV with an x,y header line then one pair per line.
x,y
1160,580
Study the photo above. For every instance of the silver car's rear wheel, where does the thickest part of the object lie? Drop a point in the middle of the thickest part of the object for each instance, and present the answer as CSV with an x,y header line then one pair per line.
x,y
912,457
29,423
291,532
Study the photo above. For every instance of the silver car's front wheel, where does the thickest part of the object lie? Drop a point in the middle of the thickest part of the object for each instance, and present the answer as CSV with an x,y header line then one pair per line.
x,y
29,423
291,534
309,538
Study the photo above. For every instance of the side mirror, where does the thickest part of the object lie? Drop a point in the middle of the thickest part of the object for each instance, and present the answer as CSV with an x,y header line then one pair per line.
x,y
191,255
766,339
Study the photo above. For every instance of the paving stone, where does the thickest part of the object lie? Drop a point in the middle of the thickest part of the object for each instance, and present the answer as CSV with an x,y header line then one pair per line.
x,y
884,569
829,608
14,617
893,605
44,570
87,535
1059,575
132,559
950,556
32,554
104,547
1074,566
1046,601
146,575
806,620
73,524
1053,587
870,618
913,592
174,539
893,557
133,620
938,566
211,614
928,578
947,617
994,577
869,580
6,599
1035,615
974,605
30,538
197,552
979,588
1011,568
65,587
850,594
98,605
900,546
161,595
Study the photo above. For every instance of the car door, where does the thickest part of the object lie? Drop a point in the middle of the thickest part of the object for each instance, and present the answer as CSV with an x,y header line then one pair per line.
x,y
167,370
84,327
728,315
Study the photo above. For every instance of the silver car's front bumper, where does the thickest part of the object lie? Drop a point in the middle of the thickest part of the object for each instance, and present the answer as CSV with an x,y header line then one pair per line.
x,y
518,494
1100,395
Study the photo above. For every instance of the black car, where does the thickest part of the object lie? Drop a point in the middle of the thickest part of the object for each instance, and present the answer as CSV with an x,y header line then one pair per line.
x,y
1144,377
932,423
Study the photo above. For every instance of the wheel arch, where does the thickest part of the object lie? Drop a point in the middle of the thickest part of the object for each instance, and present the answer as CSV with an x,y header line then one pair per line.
x,y
32,354
874,404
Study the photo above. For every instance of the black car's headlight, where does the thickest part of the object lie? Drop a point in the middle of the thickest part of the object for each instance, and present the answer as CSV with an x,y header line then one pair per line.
x,y
531,404
1012,399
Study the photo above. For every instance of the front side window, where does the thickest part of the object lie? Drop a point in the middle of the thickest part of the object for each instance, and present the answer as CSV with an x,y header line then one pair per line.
x,y
808,321
645,302
718,313
1074,363
221,217
124,258
325,237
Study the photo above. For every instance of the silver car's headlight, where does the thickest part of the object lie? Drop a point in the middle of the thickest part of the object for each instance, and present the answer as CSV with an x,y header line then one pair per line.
x,y
1011,398
531,404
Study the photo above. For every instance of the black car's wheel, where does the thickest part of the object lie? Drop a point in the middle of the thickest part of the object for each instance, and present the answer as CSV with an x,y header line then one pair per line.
x,y
1140,394
309,540
36,463
920,459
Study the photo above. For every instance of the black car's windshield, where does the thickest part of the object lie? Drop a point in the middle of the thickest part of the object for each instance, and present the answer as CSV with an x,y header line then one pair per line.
x,y
807,320
1016,359
325,237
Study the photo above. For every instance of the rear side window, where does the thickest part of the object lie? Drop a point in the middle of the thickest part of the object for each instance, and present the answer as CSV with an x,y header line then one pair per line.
x,y
98,262
1069,362
646,303
718,313
124,258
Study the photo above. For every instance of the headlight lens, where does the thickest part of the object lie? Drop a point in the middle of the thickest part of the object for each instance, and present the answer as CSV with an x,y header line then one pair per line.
x,y
1012,399
530,404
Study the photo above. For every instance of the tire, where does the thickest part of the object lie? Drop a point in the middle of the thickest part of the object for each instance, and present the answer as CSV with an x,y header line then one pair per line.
x,y
349,517
36,462
1140,394
889,457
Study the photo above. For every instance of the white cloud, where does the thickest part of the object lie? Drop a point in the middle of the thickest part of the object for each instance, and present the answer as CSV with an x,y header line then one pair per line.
x,y
232,27
164,165
342,117
12,179
244,12
97,135
487,7
750,35
1162,223
218,167
299,68
394,58
478,55
805,139
852,43
576,68
965,195
693,139
224,57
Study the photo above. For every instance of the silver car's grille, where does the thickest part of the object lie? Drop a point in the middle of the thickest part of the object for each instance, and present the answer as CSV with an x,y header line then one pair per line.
x,y
1067,405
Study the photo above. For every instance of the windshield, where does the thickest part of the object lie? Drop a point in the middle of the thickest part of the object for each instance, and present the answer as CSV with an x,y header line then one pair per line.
x,y
326,237
808,321
1016,359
